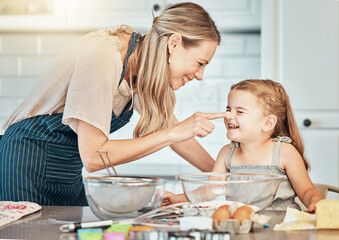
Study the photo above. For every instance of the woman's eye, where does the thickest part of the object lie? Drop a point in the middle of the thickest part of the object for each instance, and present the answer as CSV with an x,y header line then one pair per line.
x,y
240,112
200,64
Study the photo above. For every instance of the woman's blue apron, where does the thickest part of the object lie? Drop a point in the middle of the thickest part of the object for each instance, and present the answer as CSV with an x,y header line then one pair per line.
x,y
40,160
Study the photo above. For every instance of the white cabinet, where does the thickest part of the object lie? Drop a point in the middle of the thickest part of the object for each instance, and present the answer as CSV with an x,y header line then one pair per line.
x,y
229,15
54,18
300,42
89,14
232,15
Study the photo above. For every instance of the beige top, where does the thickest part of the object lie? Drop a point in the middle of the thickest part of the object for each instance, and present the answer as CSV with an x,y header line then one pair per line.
x,y
82,83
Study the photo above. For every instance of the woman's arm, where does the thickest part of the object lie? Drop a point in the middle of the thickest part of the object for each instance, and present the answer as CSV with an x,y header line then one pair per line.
x,y
193,152
91,139
298,176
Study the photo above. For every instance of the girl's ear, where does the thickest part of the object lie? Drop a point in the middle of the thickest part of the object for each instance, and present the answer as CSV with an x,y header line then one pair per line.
x,y
173,41
270,123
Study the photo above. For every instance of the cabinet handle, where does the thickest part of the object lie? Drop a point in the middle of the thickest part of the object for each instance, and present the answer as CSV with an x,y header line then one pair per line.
x,y
307,122
156,7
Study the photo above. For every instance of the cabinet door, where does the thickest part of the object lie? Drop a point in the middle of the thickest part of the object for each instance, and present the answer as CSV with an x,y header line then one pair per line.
x,y
322,153
320,132
232,15
90,15
30,15
309,53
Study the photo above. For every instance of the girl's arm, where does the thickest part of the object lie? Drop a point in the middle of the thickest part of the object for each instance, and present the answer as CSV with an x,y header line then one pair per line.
x,y
298,176
91,139
220,163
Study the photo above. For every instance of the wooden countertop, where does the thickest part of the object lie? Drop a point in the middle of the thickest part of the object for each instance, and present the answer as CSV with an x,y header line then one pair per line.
x,y
45,224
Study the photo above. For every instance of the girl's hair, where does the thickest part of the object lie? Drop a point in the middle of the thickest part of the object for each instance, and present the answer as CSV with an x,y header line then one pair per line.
x,y
275,101
156,97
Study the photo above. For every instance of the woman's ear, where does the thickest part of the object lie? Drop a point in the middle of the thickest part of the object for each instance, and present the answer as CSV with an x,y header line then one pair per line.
x,y
270,123
173,41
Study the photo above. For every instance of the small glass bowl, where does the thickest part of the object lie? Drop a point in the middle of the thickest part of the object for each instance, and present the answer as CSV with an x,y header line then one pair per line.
x,y
110,197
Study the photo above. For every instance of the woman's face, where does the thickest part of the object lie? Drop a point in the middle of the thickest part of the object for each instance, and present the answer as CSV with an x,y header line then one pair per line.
x,y
189,63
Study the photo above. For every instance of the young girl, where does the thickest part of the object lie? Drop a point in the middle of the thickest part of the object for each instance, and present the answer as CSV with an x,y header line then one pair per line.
x,y
260,123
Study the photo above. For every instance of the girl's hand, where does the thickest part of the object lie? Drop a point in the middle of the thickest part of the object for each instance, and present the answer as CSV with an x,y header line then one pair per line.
x,y
171,198
198,124
311,208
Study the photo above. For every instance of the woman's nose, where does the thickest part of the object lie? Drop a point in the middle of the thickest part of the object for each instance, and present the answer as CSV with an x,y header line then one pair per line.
x,y
199,74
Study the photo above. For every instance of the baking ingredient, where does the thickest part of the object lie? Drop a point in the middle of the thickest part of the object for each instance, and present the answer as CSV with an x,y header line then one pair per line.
x,y
222,213
327,214
243,213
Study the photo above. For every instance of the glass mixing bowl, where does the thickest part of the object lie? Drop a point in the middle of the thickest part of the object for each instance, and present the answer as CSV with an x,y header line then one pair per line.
x,y
110,197
252,189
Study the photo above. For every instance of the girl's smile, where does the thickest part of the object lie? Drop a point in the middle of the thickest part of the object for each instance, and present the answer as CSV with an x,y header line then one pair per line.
x,y
244,116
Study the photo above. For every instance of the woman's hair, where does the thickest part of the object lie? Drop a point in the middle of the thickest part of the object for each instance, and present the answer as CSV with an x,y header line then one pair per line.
x,y
155,94
275,101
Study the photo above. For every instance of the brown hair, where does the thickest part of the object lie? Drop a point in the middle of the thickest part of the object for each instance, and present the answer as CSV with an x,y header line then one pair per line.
x,y
275,101
156,97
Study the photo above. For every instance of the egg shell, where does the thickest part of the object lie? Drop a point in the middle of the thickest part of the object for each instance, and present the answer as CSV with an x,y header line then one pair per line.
x,y
243,213
221,213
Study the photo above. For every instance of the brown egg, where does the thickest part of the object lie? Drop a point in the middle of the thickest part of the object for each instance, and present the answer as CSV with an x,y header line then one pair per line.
x,y
243,213
222,213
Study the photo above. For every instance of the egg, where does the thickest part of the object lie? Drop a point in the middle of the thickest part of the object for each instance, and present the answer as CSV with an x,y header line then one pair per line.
x,y
222,213
243,213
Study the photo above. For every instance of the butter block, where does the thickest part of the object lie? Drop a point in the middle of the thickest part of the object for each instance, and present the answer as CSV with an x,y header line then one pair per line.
x,y
327,213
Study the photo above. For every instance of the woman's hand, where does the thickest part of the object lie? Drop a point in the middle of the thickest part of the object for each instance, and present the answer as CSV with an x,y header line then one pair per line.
x,y
171,198
198,125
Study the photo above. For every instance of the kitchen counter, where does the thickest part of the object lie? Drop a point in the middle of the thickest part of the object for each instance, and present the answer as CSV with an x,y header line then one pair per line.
x,y
45,225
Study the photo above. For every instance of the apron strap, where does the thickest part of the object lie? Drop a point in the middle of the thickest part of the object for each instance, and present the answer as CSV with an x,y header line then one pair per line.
x,y
132,44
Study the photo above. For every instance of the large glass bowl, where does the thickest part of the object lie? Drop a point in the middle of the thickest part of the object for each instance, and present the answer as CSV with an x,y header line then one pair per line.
x,y
110,197
253,189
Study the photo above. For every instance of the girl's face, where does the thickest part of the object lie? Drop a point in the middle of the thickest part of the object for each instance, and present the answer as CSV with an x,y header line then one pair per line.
x,y
245,118
189,63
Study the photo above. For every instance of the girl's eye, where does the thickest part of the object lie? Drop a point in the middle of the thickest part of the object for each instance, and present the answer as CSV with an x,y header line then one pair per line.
x,y
228,110
240,112
200,64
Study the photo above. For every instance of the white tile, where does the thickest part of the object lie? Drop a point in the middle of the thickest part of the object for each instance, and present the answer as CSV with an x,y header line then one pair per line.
x,y
242,67
56,43
128,169
215,68
231,45
36,66
162,157
7,106
253,46
8,65
19,44
12,87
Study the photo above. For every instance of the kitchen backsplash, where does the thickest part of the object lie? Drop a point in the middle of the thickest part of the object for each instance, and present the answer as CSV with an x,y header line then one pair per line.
x,y
25,57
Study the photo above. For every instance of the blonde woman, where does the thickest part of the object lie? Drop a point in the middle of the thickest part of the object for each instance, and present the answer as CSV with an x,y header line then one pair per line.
x,y
86,95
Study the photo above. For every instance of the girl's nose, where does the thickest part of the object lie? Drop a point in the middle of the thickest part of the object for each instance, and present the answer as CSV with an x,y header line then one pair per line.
x,y
229,115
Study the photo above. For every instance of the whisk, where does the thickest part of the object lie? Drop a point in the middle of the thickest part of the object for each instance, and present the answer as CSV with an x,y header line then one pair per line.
x,y
109,160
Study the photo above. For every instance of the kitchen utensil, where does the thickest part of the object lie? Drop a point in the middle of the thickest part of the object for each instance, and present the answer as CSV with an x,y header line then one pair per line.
x,y
109,160
248,188
110,197
136,220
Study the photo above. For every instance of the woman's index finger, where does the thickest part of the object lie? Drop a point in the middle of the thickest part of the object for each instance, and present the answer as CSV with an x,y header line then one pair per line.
x,y
212,116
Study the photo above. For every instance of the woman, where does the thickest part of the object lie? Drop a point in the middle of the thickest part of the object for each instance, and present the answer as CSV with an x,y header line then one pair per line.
x,y
68,116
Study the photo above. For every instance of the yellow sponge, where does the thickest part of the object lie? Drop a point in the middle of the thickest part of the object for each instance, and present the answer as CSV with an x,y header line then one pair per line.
x,y
327,213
